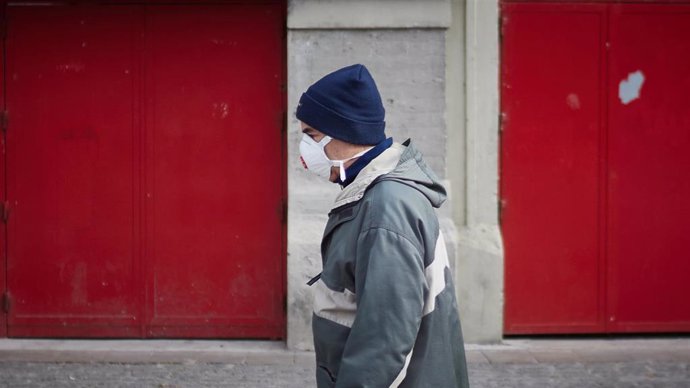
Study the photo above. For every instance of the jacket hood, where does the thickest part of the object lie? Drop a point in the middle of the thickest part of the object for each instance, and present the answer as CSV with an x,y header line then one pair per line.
x,y
401,163
413,171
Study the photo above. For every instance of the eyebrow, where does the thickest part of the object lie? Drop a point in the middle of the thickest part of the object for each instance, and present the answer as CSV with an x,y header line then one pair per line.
x,y
308,130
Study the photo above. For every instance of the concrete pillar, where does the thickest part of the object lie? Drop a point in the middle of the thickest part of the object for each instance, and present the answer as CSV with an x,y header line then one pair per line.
x,y
480,260
402,42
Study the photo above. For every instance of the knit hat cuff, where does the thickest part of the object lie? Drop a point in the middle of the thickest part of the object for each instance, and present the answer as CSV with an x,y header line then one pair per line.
x,y
337,126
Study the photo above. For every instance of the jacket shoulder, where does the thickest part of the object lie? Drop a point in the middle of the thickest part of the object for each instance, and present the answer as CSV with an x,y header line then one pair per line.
x,y
397,207
390,194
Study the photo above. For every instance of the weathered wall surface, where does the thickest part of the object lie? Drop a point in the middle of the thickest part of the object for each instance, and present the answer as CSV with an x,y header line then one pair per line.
x,y
480,280
409,68
421,59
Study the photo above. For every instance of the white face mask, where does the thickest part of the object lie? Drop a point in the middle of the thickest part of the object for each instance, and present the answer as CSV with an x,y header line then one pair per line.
x,y
315,160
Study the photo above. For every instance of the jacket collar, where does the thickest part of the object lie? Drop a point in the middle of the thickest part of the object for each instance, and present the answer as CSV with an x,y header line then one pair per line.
x,y
382,164
364,161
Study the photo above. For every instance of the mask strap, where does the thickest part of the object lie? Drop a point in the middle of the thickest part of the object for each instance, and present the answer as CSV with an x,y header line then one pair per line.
x,y
341,163
342,170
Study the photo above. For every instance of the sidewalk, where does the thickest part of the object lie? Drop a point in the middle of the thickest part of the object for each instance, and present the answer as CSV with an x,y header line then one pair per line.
x,y
253,364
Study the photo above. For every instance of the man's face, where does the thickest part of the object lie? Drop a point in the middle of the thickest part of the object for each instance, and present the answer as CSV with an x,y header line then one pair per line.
x,y
335,149
313,133
317,136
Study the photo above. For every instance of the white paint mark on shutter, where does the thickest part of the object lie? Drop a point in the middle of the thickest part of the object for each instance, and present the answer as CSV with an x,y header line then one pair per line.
x,y
629,89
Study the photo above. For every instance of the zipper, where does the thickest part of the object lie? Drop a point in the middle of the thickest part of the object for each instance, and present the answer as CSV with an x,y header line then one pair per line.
x,y
314,279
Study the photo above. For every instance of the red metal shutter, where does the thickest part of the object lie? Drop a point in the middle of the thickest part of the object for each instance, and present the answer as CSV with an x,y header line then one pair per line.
x,y
4,301
649,170
552,77
594,167
146,170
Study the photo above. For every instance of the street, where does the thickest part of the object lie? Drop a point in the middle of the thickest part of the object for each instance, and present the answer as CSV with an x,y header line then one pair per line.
x,y
514,363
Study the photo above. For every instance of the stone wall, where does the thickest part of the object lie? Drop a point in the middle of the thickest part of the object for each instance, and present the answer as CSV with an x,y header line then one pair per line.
x,y
409,68
436,66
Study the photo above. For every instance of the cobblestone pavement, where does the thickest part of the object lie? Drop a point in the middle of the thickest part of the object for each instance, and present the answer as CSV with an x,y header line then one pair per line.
x,y
627,374
153,375
516,363
624,374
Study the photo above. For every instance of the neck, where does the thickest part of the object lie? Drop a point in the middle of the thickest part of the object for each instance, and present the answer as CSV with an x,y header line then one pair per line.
x,y
339,150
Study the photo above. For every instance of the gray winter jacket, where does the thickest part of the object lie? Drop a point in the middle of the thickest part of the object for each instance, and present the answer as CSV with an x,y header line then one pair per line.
x,y
385,313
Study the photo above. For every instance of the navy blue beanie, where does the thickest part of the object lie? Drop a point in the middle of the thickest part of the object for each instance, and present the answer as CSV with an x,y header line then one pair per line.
x,y
345,105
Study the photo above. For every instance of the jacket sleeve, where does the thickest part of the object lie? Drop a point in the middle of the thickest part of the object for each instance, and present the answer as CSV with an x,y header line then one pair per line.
x,y
390,288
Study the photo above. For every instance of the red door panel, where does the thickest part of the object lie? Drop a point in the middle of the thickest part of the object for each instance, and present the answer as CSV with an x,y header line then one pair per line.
x,y
551,102
3,228
594,167
214,156
72,266
649,164
146,170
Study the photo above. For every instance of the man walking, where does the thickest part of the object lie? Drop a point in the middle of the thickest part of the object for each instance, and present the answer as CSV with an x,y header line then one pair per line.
x,y
385,313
